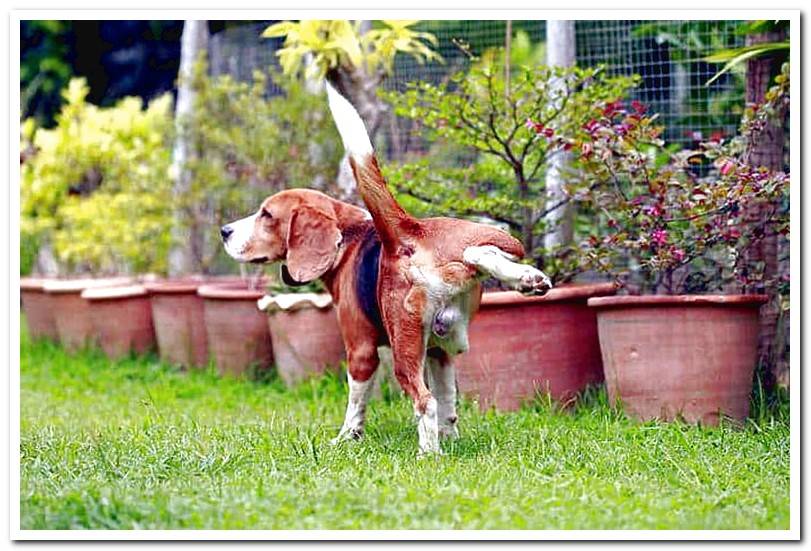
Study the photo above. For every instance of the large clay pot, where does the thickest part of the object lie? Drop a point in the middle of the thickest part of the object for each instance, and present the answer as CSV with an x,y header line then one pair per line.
x,y
121,317
689,357
36,304
72,312
236,330
522,346
178,317
305,334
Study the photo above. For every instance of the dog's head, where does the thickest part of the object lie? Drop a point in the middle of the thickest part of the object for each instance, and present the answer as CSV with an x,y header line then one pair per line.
x,y
301,227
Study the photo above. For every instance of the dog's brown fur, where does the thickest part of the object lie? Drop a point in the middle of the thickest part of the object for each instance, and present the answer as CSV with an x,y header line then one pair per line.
x,y
435,244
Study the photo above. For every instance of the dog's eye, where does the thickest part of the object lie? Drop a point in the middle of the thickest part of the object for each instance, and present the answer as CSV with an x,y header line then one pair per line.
x,y
264,213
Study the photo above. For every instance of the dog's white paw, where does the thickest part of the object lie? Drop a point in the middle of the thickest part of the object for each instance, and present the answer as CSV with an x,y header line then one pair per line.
x,y
425,454
448,432
347,435
534,282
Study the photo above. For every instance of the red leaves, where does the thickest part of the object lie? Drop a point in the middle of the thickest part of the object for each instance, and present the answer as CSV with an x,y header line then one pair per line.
x,y
538,128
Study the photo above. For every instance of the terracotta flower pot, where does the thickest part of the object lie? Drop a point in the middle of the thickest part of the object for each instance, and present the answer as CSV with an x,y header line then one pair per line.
x,y
72,313
680,356
36,304
121,317
178,317
521,346
305,334
236,330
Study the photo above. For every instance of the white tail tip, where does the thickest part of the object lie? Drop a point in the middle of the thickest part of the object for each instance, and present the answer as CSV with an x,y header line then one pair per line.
x,y
350,126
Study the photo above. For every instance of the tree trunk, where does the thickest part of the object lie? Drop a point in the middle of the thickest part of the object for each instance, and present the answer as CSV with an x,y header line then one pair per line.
x,y
766,150
184,256
560,52
360,87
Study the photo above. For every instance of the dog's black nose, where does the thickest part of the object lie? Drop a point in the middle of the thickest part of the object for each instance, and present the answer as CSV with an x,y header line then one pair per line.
x,y
226,232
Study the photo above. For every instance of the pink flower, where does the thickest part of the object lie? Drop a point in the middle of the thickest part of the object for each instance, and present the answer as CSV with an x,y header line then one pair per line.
x,y
678,255
726,166
622,129
591,126
659,236
654,211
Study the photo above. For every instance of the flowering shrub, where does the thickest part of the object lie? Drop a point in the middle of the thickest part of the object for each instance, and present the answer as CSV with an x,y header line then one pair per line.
x,y
502,136
676,222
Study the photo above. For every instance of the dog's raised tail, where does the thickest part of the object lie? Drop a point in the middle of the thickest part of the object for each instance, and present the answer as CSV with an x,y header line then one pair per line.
x,y
390,220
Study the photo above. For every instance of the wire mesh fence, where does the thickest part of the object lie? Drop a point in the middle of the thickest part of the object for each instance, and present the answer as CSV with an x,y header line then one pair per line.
x,y
667,55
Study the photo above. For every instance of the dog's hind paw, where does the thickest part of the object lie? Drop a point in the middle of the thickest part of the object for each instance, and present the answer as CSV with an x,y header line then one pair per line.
x,y
534,282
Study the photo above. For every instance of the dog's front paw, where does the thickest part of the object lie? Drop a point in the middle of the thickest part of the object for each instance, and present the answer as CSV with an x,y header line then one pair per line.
x,y
347,434
534,282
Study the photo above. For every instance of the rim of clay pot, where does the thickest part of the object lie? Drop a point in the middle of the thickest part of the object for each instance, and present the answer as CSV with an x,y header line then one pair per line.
x,y
120,292
64,286
186,284
290,302
676,300
565,292
231,291
174,286
34,283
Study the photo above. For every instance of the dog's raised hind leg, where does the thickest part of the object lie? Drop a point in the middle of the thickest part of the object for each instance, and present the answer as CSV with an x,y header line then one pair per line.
x,y
496,263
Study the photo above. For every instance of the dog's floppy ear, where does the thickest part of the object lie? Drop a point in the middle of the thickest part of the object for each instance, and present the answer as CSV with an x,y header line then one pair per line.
x,y
312,243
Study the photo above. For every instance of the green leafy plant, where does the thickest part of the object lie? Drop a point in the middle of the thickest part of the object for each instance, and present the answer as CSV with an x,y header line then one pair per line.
x,y
96,186
248,145
44,67
503,142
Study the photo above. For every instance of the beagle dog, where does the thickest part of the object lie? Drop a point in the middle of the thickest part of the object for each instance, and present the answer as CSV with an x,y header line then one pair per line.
x,y
412,284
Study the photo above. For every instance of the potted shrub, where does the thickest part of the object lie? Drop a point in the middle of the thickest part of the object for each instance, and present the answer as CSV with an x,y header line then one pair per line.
x,y
304,331
506,136
121,318
684,225
522,346
37,308
236,330
72,313
99,165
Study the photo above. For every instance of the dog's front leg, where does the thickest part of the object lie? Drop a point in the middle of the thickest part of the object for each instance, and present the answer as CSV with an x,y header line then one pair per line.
x,y
362,362
494,262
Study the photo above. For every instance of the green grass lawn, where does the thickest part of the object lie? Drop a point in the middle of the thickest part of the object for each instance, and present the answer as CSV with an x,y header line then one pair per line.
x,y
136,444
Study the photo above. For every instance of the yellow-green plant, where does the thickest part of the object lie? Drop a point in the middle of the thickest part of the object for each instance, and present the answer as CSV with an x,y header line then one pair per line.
x,y
339,43
355,61
96,187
